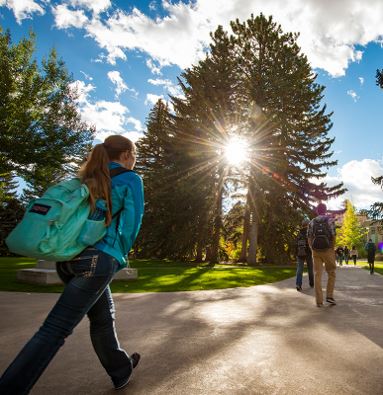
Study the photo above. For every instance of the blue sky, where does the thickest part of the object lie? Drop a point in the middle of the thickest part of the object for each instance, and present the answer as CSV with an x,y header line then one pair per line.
x,y
125,55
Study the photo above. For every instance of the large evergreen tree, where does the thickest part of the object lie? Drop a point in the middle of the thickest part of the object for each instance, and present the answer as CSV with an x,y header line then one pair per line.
x,y
288,133
256,84
376,210
41,133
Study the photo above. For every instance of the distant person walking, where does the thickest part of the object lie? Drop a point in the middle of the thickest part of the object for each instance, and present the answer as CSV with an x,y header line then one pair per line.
x,y
303,253
321,237
339,255
371,249
88,275
354,254
346,254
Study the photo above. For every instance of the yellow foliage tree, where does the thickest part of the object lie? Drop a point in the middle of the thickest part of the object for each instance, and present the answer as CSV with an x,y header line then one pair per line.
x,y
352,232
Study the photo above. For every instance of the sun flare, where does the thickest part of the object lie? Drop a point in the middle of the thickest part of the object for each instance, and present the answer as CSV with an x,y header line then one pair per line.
x,y
236,151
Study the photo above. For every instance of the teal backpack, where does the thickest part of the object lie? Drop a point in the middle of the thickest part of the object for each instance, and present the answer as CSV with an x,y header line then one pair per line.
x,y
56,226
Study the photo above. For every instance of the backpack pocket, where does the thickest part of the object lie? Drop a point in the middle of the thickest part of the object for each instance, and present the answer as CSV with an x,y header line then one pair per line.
x,y
91,232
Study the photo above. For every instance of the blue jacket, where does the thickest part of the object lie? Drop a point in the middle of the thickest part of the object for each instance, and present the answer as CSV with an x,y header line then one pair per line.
x,y
127,196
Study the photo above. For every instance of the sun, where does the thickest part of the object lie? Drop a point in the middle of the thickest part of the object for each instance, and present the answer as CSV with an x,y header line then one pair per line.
x,y
236,151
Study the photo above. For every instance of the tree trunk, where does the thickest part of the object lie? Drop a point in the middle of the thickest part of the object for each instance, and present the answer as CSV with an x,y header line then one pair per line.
x,y
198,256
253,241
217,231
245,234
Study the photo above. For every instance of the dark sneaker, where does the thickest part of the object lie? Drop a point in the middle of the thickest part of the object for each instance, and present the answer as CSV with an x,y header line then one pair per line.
x,y
299,289
331,301
311,285
135,357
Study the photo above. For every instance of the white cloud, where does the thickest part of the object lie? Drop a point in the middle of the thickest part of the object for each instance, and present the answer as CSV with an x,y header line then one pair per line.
x,y
117,80
356,176
65,18
361,80
23,9
136,122
86,76
133,135
119,83
330,31
96,6
174,90
153,5
82,90
152,99
107,116
353,94
153,67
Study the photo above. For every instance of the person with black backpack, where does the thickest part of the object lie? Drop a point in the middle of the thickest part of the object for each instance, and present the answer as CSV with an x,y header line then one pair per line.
x,y
371,250
303,253
321,236
116,198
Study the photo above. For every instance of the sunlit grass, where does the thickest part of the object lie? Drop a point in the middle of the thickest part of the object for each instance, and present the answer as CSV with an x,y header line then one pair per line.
x,y
160,276
378,266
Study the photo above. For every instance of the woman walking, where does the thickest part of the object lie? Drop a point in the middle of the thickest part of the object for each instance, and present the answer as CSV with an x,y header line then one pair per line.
x,y
119,202
354,254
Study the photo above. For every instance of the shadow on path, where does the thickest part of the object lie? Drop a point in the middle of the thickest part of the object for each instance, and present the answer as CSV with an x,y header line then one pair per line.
x,y
266,339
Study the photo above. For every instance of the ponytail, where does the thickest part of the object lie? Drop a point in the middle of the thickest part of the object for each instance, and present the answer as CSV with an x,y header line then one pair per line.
x,y
95,174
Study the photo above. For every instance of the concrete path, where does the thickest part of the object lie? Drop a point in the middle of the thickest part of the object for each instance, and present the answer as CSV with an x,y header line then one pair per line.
x,y
261,340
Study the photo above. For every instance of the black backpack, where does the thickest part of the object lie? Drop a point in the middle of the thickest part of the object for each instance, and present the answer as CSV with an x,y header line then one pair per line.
x,y
301,246
321,234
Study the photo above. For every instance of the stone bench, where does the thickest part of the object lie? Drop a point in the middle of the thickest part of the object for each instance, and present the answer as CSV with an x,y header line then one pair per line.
x,y
45,274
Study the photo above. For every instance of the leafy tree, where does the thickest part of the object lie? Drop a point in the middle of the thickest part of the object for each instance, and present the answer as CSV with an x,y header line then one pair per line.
x,y
11,209
8,186
41,134
351,232
233,229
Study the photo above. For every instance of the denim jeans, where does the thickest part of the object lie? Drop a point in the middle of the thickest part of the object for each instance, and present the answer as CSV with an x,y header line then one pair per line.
x,y
87,291
300,265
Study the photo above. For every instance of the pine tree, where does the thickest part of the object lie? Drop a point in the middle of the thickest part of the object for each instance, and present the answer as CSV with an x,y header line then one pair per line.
x,y
254,83
376,210
351,232
288,133
41,134
203,121
155,163
11,209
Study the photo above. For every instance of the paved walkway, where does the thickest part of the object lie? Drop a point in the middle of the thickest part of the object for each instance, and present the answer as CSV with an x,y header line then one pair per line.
x,y
266,339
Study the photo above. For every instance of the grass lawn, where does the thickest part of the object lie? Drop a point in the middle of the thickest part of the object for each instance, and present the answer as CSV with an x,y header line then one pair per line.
x,y
378,266
159,276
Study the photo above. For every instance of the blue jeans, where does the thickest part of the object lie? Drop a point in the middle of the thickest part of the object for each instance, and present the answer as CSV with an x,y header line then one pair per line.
x,y
300,264
87,291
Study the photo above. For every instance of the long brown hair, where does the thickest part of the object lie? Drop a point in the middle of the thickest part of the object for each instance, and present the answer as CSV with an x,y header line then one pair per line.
x,y
95,171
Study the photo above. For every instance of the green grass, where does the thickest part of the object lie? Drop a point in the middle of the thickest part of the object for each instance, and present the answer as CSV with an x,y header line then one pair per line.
x,y
378,266
160,276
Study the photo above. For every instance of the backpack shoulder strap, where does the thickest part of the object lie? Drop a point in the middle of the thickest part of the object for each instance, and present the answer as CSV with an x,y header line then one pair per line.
x,y
117,171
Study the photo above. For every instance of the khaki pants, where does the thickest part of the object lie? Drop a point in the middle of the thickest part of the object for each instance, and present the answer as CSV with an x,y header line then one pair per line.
x,y
328,258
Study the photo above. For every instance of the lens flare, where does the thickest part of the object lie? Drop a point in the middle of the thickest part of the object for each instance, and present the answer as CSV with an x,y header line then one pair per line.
x,y
236,151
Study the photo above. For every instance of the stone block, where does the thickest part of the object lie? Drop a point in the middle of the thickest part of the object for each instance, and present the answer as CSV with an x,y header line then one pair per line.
x,y
42,264
38,276
128,273
45,274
